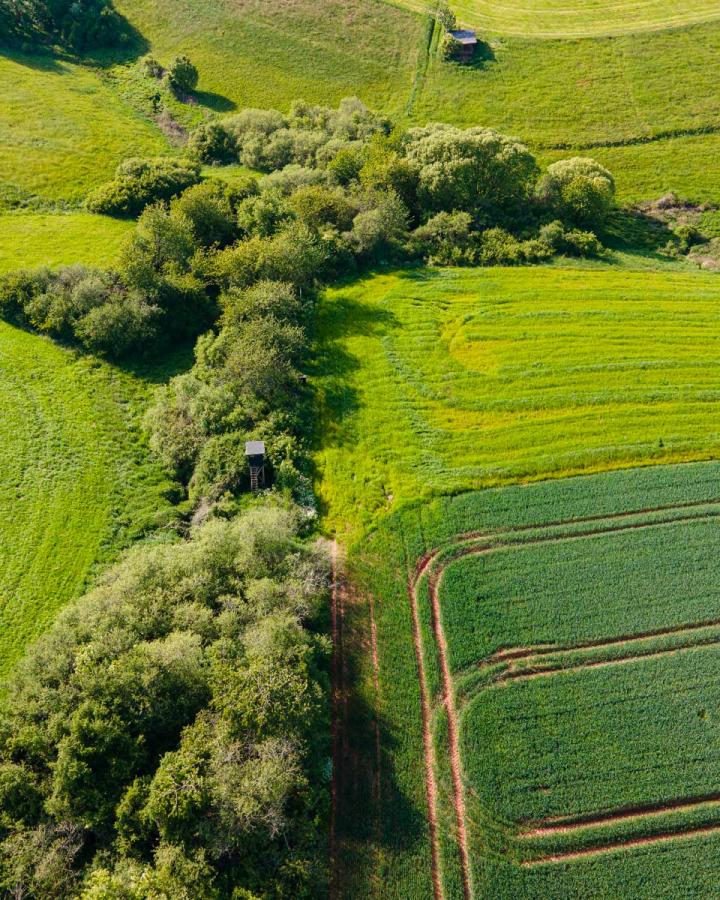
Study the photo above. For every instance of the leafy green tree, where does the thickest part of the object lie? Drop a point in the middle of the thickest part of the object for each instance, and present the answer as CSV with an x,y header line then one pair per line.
x,y
181,76
579,190
477,170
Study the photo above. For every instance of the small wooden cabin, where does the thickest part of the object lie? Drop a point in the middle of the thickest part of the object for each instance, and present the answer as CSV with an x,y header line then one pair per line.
x,y
467,43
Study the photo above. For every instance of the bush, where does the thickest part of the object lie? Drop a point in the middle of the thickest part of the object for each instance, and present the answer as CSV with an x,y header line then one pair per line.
x,y
445,16
140,182
447,239
125,326
151,67
476,170
181,76
208,209
210,142
579,190
571,242
380,232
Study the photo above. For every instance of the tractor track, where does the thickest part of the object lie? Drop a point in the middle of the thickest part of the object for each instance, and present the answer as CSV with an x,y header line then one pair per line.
x,y
433,563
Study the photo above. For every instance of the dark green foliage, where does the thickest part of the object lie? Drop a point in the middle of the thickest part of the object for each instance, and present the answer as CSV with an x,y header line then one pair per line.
x,y
446,239
139,182
181,76
171,728
570,241
211,142
76,24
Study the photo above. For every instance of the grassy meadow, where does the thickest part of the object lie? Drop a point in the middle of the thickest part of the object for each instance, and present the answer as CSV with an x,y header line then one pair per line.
x,y
63,130
30,239
77,481
437,381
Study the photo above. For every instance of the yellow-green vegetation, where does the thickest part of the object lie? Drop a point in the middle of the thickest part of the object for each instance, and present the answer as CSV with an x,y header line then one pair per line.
x,y
77,481
436,381
577,18
32,239
63,130
270,52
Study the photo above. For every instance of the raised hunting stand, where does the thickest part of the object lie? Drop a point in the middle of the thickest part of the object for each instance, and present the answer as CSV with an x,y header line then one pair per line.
x,y
255,452
466,41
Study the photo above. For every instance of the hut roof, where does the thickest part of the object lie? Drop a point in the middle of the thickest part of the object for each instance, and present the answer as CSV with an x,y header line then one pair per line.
x,y
254,448
465,36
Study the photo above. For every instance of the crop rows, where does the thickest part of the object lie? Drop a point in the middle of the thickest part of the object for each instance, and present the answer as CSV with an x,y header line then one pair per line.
x,y
585,744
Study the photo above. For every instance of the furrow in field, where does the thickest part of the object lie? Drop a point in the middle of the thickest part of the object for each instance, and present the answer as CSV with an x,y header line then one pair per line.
x,y
455,762
569,824
621,845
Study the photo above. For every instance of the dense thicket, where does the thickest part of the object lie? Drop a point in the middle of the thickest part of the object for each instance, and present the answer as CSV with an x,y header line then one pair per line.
x,y
76,24
169,737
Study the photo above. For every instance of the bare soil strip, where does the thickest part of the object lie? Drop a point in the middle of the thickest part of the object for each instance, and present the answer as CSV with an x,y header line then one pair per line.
x,y
455,763
615,846
428,750
335,667
568,825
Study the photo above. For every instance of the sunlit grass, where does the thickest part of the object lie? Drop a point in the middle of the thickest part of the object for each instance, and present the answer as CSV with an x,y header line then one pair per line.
x,y
54,239
440,381
76,479
63,130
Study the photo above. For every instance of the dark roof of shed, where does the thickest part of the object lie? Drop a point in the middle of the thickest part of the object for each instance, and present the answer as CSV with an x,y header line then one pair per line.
x,y
464,36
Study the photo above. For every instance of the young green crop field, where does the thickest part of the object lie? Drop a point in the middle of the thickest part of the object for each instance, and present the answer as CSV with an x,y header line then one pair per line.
x,y
437,381
32,239
76,480
63,130
550,652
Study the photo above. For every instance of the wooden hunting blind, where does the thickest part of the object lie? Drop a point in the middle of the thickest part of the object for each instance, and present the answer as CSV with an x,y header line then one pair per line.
x,y
255,452
466,39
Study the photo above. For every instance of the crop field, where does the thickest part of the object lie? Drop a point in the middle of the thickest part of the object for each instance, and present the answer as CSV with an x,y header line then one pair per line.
x,y
577,18
55,239
63,130
437,381
76,480
550,651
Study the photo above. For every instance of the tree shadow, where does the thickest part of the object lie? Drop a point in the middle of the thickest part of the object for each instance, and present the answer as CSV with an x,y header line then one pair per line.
x,y
213,101
42,60
633,231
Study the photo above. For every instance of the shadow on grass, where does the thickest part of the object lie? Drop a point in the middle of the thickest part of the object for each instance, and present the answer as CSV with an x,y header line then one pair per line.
x,y
216,102
634,232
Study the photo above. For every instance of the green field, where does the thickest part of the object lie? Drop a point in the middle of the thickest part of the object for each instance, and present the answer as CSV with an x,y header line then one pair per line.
x,y
577,18
63,130
77,482
436,381
57,239
269,53
582,664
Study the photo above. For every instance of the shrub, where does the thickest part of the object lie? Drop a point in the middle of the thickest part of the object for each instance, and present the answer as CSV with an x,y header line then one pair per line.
x,y
208,209
571,242
476,170
319,207
380,232
447,239
139,182
445,16
579,190
292,177
450,47
346,161
121,327
181,76
210,142
151,67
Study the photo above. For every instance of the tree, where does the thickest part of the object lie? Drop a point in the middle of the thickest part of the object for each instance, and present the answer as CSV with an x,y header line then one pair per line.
x,y
181,76
579,190
445,16
477,170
